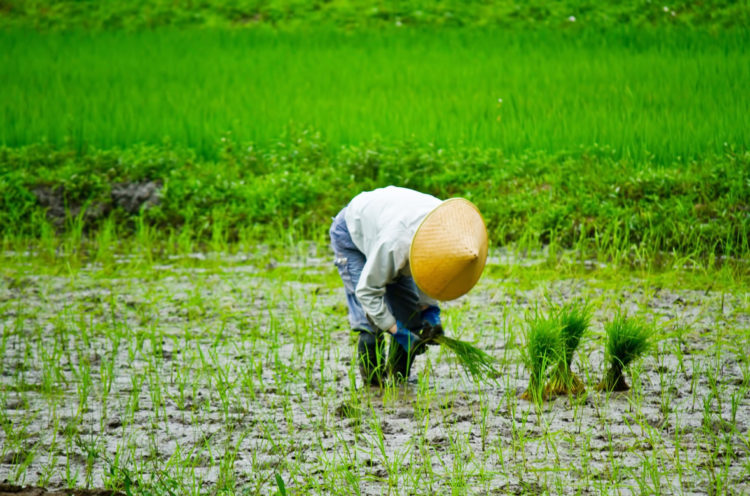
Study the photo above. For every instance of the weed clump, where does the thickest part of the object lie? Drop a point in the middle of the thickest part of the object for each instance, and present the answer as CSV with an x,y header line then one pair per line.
x,y
543,348
627,339
573,320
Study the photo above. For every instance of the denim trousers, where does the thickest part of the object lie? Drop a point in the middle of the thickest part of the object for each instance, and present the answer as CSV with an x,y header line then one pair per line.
x,y
401,295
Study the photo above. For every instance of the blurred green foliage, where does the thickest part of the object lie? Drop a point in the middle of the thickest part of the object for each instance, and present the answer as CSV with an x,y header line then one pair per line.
x,y
137,14
594,199
595,202
651,95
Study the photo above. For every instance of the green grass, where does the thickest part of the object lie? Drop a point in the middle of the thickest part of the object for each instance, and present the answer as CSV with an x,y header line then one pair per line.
x,y
666,95
626,144
621,212
139,14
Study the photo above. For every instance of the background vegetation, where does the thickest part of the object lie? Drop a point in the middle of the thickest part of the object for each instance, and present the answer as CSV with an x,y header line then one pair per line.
x,y
597,204
613,128
138,14
667,94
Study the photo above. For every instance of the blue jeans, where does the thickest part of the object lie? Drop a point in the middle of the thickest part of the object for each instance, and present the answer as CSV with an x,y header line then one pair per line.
x,y
401,295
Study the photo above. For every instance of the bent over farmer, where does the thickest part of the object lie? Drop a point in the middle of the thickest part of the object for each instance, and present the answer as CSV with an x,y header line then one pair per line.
x,y
398,252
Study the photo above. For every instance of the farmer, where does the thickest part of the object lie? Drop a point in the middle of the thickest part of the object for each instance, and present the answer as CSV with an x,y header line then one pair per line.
x,y
398,251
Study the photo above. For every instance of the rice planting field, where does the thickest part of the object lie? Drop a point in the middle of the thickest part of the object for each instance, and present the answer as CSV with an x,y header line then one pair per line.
x,y
665,94
171,320
237,374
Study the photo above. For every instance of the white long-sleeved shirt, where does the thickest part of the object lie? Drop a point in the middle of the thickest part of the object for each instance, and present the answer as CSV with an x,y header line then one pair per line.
x,y
382,224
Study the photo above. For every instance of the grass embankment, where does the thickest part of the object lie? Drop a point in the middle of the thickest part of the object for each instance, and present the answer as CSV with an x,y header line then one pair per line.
x,y
600,206
138,14
638,139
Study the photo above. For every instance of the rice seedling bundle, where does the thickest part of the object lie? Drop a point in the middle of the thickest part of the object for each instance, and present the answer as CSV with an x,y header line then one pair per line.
x,y
475,362
543,348
627,339
573,320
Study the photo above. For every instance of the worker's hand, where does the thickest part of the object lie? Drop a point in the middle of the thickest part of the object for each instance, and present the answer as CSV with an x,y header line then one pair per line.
x,y
431,325
431,315
410,342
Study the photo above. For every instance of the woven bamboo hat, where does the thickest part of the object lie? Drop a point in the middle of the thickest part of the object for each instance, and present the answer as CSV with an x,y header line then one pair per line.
x,y
449,250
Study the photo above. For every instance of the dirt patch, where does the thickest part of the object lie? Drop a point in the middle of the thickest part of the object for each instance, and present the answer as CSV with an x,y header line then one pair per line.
x,y
10,490
59,209
131,197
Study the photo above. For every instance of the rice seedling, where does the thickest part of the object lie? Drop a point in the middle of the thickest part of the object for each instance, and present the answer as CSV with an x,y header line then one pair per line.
x,y
475,362
543,348
573,320
627,339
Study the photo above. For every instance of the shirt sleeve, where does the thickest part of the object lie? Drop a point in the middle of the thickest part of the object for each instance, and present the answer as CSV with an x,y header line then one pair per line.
x,y
381,268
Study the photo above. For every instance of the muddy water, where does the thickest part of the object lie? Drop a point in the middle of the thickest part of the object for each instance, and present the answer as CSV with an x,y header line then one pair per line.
x,y
224,375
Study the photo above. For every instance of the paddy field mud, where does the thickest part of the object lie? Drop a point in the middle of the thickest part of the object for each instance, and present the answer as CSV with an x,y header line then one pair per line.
x,y
212,373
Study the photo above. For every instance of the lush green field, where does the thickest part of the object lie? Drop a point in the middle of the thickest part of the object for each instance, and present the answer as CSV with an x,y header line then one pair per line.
x,y
666,94
629,141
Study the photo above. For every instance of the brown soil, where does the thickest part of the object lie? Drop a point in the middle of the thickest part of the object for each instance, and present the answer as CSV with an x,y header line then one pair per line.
x,y
130,197
10,490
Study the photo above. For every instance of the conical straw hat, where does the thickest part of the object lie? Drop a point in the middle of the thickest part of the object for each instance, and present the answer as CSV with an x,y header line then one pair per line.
x,y
449,250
